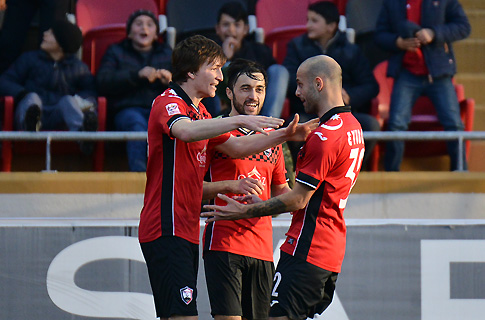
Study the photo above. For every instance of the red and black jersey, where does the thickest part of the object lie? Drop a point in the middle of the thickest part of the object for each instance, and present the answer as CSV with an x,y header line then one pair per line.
x,y
329,162
247,237
175,170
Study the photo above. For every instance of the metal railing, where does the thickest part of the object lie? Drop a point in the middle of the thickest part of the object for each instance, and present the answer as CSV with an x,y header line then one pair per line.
x,y
49,136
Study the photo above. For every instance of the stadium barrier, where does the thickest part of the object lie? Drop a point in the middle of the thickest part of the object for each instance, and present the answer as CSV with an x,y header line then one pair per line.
x,y
50,136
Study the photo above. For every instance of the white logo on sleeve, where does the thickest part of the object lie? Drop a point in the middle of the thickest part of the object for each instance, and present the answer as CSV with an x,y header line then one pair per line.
x,y
320,135
172,108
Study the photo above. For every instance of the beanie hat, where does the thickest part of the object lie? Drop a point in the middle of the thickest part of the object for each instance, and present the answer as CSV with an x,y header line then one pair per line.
x,y
136,14
68,36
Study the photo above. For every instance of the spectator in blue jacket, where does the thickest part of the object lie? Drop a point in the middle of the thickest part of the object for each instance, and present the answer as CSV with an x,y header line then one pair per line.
x,y
419,34
52,88
323,37
131,75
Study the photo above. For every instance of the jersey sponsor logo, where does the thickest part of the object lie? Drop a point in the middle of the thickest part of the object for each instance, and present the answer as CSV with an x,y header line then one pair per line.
x,y
202,157
331,125
320,135
172,108
186,294
255,175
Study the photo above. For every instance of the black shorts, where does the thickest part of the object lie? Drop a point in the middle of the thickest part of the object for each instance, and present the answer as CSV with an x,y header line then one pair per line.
x,y
173,264
300,289
238,285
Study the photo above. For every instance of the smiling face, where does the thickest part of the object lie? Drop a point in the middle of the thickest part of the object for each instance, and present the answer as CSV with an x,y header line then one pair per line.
x,y
229,27
143,33
248,94
205,80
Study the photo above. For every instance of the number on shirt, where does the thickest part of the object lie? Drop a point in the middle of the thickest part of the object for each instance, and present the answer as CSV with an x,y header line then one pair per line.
x,y
356,155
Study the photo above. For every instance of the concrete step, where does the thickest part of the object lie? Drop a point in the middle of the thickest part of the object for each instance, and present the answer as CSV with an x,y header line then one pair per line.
x,y
470,55
477,21
474,86
472,4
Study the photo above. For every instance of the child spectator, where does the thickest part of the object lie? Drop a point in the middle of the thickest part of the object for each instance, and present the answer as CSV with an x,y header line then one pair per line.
x,y
323,37
131,75
52,88
232,30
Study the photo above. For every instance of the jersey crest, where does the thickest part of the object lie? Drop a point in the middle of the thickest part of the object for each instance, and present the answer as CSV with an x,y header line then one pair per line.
x,y
334,123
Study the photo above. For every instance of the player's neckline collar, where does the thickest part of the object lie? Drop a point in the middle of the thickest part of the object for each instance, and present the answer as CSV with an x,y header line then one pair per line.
x,y
182,94
330,113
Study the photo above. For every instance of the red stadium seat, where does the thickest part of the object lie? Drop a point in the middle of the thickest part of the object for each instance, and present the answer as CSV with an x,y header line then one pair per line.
x,y
96,13
278,39
423,118
272,14
97,40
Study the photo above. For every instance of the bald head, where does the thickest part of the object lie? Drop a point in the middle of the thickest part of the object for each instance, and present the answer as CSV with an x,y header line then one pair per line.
x,y
319,84
324,67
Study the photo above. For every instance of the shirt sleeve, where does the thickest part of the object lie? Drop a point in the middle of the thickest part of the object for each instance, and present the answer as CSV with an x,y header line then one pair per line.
x,y
168,112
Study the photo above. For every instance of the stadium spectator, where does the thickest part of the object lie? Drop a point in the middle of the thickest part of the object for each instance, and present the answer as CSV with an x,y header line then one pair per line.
x,y
324,37
419,34
232,31
131,75
17,20
52,88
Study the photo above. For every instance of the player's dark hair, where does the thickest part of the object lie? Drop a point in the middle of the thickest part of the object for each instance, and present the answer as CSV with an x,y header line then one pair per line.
x,y
235,10
240,67
190,54
327,9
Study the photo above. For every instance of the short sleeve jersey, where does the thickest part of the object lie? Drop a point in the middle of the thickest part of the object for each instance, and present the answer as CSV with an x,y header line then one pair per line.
x,y
248,237
175,170
329,163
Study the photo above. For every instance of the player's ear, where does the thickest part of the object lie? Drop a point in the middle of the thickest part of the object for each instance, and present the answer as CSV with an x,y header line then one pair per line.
x,y
229,93
319,83
191,75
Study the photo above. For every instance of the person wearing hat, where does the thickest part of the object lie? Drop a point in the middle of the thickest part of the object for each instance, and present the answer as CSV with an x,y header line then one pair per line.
x,y
131,75
52,88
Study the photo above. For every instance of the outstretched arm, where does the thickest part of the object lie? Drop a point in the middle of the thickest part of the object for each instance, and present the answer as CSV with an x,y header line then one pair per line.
x,y
190,131
287,202
246,145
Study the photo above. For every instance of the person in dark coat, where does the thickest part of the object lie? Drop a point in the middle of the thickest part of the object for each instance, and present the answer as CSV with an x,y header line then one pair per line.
x,y
52,88
232,30
419,36
131,75
323,37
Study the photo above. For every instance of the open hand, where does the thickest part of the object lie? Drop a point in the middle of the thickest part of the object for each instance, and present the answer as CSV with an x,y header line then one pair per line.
x,y
299,131
259,123
232,211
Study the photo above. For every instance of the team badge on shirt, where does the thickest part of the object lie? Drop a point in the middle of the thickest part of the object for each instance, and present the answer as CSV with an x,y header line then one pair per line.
x,y
186,294
172,108
334,123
